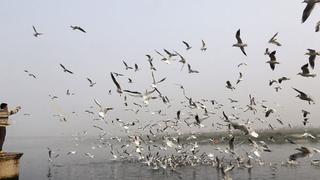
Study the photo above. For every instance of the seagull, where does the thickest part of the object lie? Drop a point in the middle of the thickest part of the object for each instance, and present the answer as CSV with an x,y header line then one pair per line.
x,y
136,67
272,81
191,70
36,33
269,111
163,57
91,82
78,28
305,113
240,78
103,111
169,53
178,114
149,57
317,26
273,61
49,154
229,86
308,9
244,128
312,56
267,52
242,64
273,40
187,45
304,96
145,96
30,74
204,47
232,101
151,66
89,155
305,71
239,43
154,82
304,151
119,90
127,67
65,69
308,135
71,152
283,79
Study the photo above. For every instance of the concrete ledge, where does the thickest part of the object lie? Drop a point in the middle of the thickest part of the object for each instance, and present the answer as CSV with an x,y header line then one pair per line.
x,y
9,165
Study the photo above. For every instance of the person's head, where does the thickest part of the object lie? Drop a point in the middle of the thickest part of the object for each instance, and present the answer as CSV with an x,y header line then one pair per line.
x,y
3,106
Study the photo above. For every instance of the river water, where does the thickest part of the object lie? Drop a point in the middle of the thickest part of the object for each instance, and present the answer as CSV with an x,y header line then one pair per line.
x,y
36,166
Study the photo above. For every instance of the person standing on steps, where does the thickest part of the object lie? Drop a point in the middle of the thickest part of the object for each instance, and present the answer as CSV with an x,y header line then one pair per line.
x,y
4,116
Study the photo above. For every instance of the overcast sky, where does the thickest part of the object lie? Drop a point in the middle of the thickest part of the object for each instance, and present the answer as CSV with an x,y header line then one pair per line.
x,y
127,30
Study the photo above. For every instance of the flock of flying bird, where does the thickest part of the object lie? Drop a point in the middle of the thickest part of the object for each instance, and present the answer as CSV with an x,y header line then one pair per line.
x,y
154,147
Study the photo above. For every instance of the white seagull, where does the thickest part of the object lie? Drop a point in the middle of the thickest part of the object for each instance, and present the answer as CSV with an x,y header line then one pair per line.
x,y
305,71
239,43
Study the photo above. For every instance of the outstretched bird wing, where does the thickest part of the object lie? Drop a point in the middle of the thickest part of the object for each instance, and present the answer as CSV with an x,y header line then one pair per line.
x,y
307,11
116,83
305,69
238,37
300,92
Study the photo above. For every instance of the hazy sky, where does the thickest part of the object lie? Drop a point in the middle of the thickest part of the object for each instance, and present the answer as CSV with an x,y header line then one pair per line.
x,y
127,30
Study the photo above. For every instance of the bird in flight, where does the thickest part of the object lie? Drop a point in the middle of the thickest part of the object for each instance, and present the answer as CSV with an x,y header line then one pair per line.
x,y
127,67
187,45
240,78
273,61
154,82
36,33
273,40
204,47
283,79
239,43
312,56
305,71
304,96
229,85
308,9
91,82
119,90
65,69
78,28
30,74
191,70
